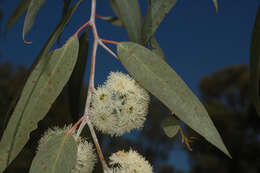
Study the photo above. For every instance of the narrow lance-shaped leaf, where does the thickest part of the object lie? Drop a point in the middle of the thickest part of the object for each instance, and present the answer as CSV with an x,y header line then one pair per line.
x,y
65,11
52,39
29,88
171,126
156,48
156,12
254,63
43,86
57,155
129,13
66,5
56,33
114,7
33,10
17,13
113,20
155,75
76,82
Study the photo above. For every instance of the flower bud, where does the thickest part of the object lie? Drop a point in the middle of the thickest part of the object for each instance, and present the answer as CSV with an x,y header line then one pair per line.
x,y
129,162
119,106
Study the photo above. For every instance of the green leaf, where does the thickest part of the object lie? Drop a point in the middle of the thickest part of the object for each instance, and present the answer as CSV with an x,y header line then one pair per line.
x,y
52,39
113,20
56,33
114,7
156,12
65,11
156,48
76,82
66,5
17,13
57,155
171,126
129,13
155,75
215,2
254,63
32,11
43,86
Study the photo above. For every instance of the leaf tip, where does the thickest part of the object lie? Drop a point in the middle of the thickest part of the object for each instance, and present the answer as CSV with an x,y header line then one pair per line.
x,y
26,42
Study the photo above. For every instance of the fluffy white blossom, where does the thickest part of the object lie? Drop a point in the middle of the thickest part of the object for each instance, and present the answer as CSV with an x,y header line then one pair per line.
x,y
121,83
86,157
129,162
119,106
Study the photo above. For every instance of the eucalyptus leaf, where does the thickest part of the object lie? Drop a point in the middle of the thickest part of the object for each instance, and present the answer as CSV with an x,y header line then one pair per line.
x,y
43,86
114,7
32,11
155,75
171,126
129,13
17,13
254,63
156,48
76,82
56,33
156,12
57,155
113,20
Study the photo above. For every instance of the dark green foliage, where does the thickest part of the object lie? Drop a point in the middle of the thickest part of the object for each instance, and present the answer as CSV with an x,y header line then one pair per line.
x,y
32,11
76,93
254,63
17,13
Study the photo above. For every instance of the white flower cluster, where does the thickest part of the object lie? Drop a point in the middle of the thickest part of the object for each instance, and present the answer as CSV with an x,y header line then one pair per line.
x,y
119,105
86,158
129,162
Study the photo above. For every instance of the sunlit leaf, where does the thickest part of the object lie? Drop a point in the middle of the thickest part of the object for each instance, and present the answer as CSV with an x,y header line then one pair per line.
x,y
156,12
17,13
43,86
155,75
57,155
129,13
254,63
32,11
171,126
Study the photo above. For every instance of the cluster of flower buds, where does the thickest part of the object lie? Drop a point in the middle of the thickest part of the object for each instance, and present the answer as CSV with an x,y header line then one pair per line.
x,y
119,105
129,162
86,157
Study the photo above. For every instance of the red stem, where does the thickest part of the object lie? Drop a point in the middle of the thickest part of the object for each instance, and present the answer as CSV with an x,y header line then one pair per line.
x,y
81,28
109,41
74,126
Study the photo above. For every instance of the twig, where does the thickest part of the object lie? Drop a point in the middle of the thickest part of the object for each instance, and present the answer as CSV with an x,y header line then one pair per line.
x,y
107,49
85,118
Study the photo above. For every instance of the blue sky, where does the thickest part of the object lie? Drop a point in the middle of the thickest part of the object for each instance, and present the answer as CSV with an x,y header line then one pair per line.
x,y
195,39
